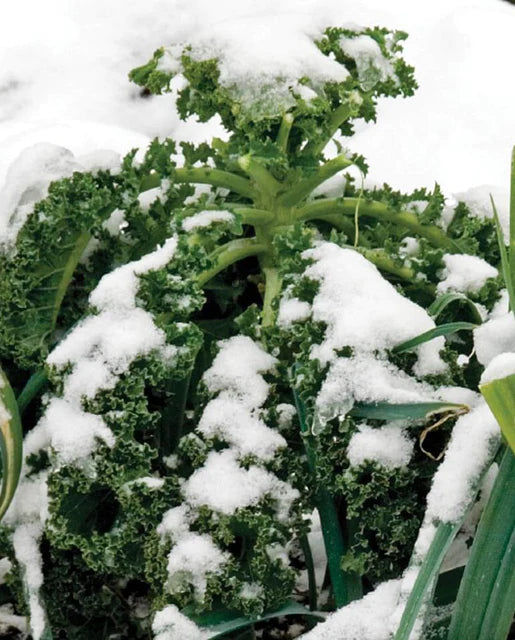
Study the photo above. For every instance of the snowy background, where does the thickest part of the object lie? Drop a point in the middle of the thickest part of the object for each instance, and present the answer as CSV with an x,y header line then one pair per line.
x,y
64,65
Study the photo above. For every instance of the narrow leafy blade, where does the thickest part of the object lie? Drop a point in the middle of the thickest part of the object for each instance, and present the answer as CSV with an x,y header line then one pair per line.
x,y
484,611
413,411
440,330
442,302
11,438
505,260
427,574
500,395
223,621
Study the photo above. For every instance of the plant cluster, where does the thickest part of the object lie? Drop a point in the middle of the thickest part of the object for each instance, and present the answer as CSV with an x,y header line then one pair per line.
x,y
212,344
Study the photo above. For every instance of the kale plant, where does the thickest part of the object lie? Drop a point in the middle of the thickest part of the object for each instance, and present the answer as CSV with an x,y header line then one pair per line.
x,y
218,344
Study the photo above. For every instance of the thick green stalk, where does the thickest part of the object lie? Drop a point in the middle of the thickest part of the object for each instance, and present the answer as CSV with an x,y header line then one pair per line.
x,y
338,117
303,188
284,131
251,215
228,254
486,598
265,182
425,581
273,283
216,178
331,209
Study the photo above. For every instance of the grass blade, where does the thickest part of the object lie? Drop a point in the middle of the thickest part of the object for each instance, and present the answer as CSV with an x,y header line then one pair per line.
x,y
484,608
505,259
11,439
428,572
500,395
442,302
440,330
223,621
413,411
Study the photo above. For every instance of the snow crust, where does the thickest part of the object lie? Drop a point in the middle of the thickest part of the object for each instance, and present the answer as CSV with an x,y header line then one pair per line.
x,y
494,337
465,273
389,446
501,366
365,619
204,219
473,441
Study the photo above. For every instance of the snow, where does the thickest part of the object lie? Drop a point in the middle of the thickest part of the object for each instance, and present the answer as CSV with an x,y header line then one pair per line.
x,y
465,273
389,446
224,486
236,370
229,420
371,65
367,318
292,310
73,433
205,219
474,440
365,619
191,561
500,367
494,337
478,201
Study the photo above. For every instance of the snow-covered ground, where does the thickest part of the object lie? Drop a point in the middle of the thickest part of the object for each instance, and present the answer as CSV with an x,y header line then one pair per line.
x,y
64,65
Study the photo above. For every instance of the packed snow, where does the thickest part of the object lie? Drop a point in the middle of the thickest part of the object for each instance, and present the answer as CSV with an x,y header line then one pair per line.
x,y
464,273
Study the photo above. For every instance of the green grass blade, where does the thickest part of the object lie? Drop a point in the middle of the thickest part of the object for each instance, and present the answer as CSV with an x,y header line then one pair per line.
x,y
223,621
505,259
442,302
35,384
11,439
500,395
440,330
484,609
445,534
413,411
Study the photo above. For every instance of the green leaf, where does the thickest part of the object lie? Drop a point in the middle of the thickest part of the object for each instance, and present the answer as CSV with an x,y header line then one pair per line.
x,y
11,438
427,574
500,395
505,259
486,599
448,298
411,411
346,586
222,621
440,330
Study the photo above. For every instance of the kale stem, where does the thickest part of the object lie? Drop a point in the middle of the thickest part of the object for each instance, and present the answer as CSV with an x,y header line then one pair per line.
x,y
338,117
284,131
273,283
228,254
262,178
332,209
216,178
303,188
